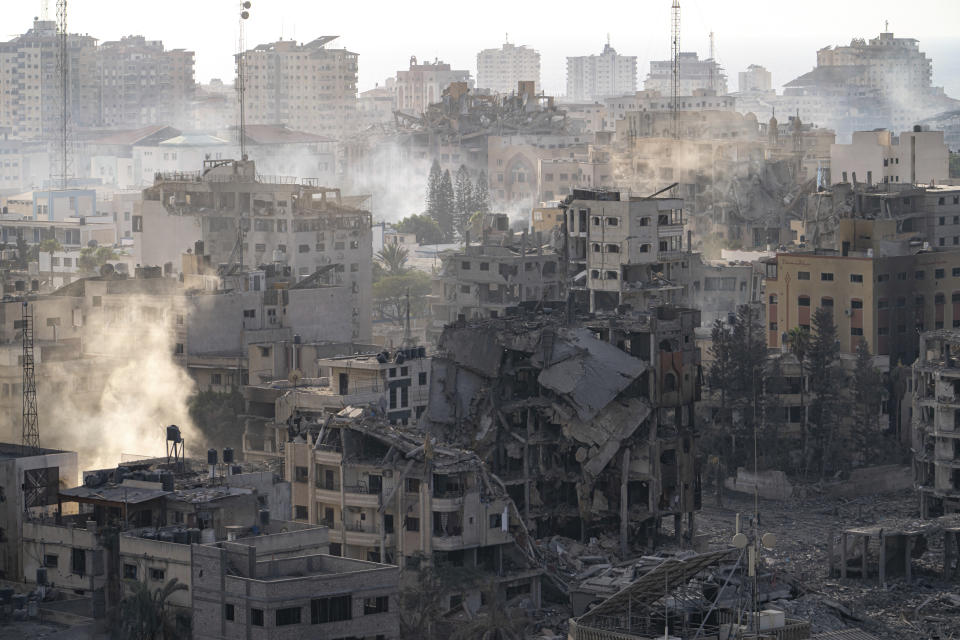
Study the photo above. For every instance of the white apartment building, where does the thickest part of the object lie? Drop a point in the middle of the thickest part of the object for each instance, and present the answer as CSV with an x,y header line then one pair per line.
x,y
694,74
913,157
501,69
756,79
307,87
423,83
596,77
701,100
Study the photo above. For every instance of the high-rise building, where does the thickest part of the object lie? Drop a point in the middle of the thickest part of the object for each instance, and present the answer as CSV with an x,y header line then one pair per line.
x,y
501,69
141,84
29,84
591,78
307,87
694,74
756,79
423,84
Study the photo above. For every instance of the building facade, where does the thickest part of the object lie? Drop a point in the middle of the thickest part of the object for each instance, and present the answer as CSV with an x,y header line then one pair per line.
x,y
694,74
499,70
424,83
591,78
308,87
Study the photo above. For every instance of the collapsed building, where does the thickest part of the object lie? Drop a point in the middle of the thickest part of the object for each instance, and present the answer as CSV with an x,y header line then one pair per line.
x,y
592,429
392,495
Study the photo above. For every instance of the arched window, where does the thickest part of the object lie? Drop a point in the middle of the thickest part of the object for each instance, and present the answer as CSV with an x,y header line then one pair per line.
x,y
669,382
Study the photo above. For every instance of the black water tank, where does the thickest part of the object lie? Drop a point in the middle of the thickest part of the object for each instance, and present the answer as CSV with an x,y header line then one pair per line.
x,y
92,480
422,352
227,455
181,536
173,433
166,481
264,517
41,575
211,456
236,470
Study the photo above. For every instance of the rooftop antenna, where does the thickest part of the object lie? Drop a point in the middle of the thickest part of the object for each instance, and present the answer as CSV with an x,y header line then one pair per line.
x,y
30,440
713,66
45,10
886,26
675,52
61,167
506,38
241,79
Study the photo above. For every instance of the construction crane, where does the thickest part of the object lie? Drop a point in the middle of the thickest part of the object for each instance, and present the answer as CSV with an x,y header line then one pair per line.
x,y
30,439
62,164
675,52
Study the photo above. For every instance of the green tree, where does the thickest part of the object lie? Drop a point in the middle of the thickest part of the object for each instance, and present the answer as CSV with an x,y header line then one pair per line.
x,y
748,363
867,387
798,339
481,196
433,191
446,206
144,614
720,379
217,416
393,257
424,598
92,258
775,416
423,226
50,245
463,200
390,295
826,383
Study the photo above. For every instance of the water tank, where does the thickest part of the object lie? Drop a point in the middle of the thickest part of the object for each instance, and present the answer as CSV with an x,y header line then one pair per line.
x,y
382,358
194,535
422,352
120,474
227,455
236,470
211,456
181,536
173,433
296,339
165,536
92,480
264,517
41,575
166,481
207,536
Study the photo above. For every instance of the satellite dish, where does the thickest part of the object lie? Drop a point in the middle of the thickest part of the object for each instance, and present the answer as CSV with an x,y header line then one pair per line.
x,y
769,540
295,376
740,541
106,270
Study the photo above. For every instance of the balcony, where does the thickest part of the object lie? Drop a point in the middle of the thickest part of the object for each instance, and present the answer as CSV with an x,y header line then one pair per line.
x,y
327,455
447,543
448,502
365,536
671,256
328,496
360,495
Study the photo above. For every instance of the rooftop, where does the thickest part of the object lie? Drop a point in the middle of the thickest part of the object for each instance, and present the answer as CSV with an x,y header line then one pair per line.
x,y
9,451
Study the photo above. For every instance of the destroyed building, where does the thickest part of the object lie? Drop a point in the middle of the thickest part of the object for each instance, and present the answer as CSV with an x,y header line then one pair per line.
x,y
623,249
500,272
936,423
591,429
396,496
244,218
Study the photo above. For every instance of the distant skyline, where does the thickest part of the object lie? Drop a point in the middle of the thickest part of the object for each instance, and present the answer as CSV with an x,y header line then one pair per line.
x,y
385,35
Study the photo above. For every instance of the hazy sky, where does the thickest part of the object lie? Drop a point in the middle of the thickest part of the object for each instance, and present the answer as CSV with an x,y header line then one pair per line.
x,y
783,36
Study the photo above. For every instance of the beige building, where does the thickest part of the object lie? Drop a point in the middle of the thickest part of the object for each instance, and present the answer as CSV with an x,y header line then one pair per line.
x,y
913,157
694,74
624,249
936,423
424,83
756,79
591,78
388,496
499,70
307,87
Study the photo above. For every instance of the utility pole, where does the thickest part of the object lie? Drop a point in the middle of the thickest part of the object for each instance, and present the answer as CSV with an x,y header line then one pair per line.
x,y
675,52
30,439
241,80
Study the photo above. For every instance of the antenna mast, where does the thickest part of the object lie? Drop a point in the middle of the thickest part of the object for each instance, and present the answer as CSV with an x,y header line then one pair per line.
x,y
241,80
713,65
675,52
62,166
30,440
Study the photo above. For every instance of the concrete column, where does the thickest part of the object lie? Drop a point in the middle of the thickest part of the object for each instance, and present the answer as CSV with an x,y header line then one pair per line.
x,y
907,559
843,554
624,508
691,525
882,562
863,558
677,525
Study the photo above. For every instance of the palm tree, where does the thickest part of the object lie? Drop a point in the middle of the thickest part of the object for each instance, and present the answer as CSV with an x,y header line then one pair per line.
x,y
799,340
394,258
144,615
494,624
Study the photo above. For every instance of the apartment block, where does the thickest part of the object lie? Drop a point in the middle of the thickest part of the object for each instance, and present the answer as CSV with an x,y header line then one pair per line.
x,y
914,157
592,78
243,218
500,70
694,74
142,84
624,249
756,79
394,496
423,84
936,423
308,87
